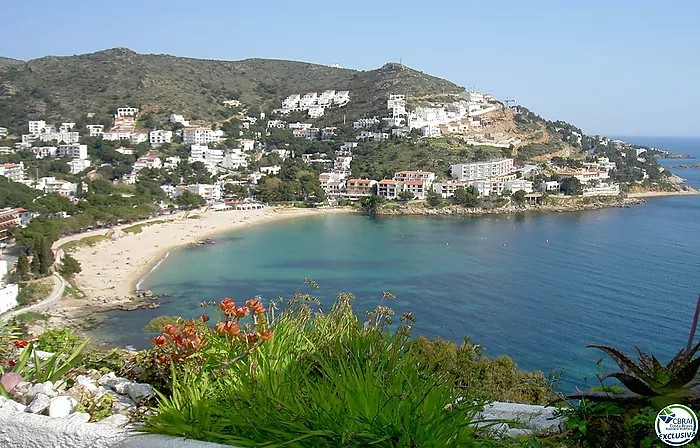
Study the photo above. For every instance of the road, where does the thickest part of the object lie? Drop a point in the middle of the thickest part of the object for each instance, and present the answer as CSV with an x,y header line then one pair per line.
x,y
59,285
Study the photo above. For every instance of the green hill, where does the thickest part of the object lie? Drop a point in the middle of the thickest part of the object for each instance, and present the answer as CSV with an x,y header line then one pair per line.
x,y
66,88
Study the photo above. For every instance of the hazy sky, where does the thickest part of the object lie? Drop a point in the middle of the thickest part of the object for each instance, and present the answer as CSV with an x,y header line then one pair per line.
x,y
609,67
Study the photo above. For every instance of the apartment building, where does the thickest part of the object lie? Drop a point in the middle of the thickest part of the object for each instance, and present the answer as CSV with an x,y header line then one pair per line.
x,y
388,188
13,171
127,112
78,165
74,151
41,152
482,170
359,187
158,137
199,136
95,130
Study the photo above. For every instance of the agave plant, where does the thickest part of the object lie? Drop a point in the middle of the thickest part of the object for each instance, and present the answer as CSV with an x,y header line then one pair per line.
x,y
648,380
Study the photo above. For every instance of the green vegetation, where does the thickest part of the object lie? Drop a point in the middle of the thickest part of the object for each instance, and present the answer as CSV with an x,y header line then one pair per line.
x,y
31,317
138,228
32,292
467,197
87,241
56,88
69,266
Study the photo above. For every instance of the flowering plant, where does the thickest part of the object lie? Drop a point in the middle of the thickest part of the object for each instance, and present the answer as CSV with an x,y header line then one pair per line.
x,y
237,332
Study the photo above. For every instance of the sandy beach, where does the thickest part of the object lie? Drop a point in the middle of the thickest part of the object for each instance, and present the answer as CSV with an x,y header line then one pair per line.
x,y
111,269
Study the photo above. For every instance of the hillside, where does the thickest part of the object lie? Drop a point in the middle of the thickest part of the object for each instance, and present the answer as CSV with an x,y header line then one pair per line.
x,y
67,87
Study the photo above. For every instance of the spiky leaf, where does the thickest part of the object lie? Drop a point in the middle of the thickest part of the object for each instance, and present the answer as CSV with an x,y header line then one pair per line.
x,y
685,376
682,358
632,383
627,365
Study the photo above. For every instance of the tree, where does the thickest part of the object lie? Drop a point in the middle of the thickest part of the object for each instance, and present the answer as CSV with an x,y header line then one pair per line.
x,y
571,186
434,199
239,191
519,197
23,267
190,200
35,264
406,195
46,257
69,266
467,197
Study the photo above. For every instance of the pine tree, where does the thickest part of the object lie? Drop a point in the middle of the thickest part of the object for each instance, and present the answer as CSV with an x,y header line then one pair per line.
x,y
45,257
22,266
69,266
35,265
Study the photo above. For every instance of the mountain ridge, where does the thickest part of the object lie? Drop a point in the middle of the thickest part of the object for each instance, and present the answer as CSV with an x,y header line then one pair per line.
x,y
67,87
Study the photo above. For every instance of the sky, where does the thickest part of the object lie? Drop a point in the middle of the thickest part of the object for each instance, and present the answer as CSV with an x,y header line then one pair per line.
x,y
609,67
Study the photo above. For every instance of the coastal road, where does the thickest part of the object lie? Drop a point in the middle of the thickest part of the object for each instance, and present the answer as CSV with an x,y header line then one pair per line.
x,y
59,285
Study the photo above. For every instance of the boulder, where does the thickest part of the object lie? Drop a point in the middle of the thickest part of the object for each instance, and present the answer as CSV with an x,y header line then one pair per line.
x,y
140,391
116,383
115,421
85,383
61,406
535,418
122,404
46,388
10,381
39,404
13,406
79,417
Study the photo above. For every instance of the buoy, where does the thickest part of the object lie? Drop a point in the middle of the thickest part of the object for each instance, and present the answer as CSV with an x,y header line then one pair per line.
x,y
513,227
447,244
547,241
504,244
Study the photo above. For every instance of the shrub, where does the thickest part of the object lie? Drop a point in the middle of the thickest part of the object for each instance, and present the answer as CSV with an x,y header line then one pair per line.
x,y
57,340
325,379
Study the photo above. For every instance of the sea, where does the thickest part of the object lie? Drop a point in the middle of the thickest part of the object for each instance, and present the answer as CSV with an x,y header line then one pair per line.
x,y
538,287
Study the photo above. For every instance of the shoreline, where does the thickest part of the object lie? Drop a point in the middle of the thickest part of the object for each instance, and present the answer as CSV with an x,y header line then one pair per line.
x,y
113,268
655,194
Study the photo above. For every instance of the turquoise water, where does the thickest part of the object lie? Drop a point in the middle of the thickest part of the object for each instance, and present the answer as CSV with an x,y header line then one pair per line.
x,y
618,276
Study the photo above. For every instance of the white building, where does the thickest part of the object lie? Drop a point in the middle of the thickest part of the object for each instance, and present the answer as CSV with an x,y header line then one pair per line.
x,y
66,127
36,127
8,292
447,188
126,112
388,188
365,123
171,162
291,102
42,152
283,154
78,165
175,118
279,124
152,161
13,171
3,132
207,191
431,130
602,189
129,178
397,105
316,111
299,125
341,98
550,186
326,98
342,163
158,137
95,130
482,170
234,159
308,100
245,144
518,184
199,136
211,158
59,186
74,151
309,134
125,151
270,170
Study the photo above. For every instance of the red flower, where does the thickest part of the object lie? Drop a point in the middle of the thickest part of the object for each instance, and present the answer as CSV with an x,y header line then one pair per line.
x,y
266,334
179,341
227,328
11,363
205,318
171,330
161,360
227,306
240,312
159,340
20,344
251,337
256,306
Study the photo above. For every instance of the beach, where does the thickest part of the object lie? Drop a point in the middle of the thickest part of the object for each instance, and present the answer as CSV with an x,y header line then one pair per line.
x,y
653,194
112,269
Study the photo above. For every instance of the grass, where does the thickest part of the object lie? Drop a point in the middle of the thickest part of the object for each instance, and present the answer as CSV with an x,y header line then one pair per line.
x,y
138,228
194,217
83,242
32,292
72,290
31,317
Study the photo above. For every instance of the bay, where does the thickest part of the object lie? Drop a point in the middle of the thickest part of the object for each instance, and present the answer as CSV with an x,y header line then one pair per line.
x,y
537,287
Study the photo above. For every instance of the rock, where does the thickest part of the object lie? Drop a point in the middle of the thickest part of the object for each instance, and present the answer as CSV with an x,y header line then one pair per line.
x,y
99,393
515,432
116,383
46,388
535,418
122,404
115,421
22,388
61,406
140,391
39,404
43,356
85,383
13,406
10,380
79,417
